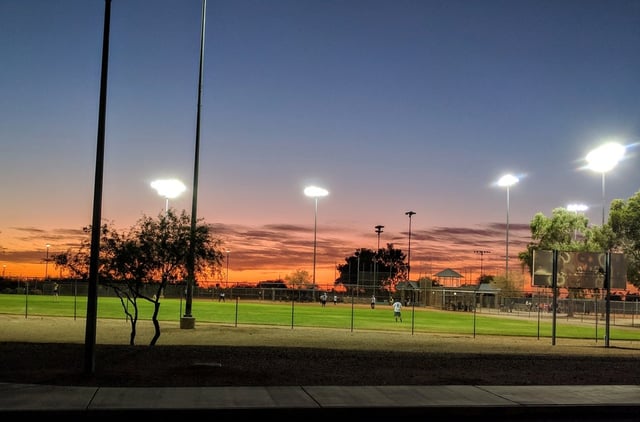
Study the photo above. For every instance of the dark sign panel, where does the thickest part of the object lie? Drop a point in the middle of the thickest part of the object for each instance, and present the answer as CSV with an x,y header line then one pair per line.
x,y
542,268
618,271
579,270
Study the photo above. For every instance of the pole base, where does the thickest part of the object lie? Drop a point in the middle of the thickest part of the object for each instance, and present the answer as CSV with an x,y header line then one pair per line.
x,y
187,323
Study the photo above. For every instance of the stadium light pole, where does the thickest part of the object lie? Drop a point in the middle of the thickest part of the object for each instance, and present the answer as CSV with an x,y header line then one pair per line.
x,y
228,250
46,263
375,266
168,189
507,181
481,253
576,208
410,214
315,192
602,160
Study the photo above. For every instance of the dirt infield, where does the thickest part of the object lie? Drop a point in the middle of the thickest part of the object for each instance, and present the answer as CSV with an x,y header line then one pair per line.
x,y
51,350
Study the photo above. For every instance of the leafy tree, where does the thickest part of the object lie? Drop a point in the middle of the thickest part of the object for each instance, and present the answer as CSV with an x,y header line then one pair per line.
x,y
390,268
566,231
485,279
624,220
140,263
299,279
563,231
75,260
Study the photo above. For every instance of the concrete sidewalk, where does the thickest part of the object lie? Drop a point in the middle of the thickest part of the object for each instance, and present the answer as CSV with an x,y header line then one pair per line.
x,y
549,403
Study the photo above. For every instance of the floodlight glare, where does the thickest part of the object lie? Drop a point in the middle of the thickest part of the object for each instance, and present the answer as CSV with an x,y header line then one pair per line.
x,y
605,157
168,189
315,192
508,180
577,207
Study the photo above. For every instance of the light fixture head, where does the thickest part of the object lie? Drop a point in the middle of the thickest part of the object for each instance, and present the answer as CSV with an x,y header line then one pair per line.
x,y
605,157
508,180
577,207
315,191
168,188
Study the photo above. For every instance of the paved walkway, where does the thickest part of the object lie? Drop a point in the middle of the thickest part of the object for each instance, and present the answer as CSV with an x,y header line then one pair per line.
x,y
548,403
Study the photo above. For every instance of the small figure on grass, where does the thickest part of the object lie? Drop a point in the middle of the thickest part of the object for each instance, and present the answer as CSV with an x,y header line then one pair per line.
x,y
397,310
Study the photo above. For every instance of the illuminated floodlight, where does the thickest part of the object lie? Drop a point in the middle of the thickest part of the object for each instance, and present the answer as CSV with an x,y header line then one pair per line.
x,y
605,157
577,208
168,189
315,192
507,181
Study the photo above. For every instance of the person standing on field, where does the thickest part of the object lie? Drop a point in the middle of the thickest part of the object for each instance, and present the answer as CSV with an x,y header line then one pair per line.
x,y
397,310
373,302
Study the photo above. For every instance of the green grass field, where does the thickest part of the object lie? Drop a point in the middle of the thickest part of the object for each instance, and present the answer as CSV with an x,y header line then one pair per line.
x,y
341,316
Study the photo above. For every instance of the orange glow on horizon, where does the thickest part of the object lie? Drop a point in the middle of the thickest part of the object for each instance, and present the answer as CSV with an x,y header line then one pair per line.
x,y
324,276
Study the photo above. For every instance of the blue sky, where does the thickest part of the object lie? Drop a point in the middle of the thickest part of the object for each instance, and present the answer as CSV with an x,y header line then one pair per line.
x,y
390,105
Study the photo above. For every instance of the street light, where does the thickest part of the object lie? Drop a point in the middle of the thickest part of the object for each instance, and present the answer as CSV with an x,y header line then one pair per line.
x,y
482,253
375,267
315,193
410,214
507,181
576,208
603,159
169,189
4,267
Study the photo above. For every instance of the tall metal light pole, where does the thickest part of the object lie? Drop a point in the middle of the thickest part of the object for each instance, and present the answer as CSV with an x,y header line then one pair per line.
x,y
187,321
315,193
576,208
410,214
168,189
375,266
46,263
603,159
96,220
481,253
228,250
507,181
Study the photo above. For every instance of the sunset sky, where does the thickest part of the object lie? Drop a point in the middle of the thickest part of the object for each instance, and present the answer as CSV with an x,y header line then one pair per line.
x,y
392,106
